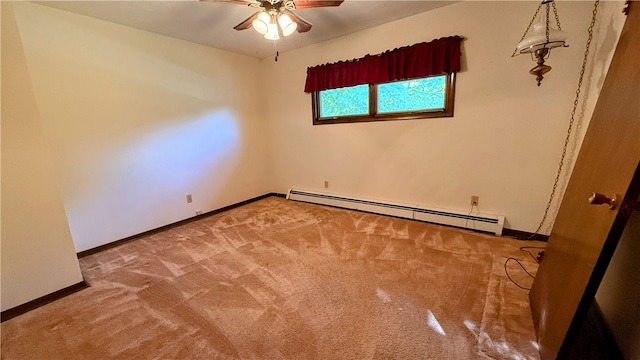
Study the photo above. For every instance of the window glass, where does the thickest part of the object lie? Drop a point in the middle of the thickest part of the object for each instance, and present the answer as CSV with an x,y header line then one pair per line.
x,y
346,101
422,98
412,95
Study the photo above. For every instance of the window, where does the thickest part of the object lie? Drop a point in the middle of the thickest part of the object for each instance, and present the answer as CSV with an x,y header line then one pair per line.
x,y
346,101
399,100
409,82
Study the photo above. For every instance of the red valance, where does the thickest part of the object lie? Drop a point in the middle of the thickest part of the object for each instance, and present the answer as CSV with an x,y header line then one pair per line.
x,y
437,57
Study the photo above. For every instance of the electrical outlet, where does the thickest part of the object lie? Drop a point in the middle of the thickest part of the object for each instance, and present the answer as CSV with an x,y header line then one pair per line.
x,y
475,199
189,198
326,184
198,212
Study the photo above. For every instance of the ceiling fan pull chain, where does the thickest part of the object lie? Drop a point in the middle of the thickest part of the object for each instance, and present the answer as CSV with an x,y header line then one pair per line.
x,y
275,47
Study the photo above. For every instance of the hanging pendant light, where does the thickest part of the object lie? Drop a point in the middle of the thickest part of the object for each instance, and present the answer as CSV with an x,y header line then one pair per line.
x,y
538,39
542,39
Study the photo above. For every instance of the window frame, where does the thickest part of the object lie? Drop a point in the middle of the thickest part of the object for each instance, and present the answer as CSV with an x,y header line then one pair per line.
x,y
373,114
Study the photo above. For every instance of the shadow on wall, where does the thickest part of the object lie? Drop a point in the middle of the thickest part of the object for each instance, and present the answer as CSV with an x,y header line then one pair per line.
x,y
600,51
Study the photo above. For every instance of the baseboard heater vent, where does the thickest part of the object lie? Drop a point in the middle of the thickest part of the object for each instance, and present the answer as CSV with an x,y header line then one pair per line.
x,y
481,222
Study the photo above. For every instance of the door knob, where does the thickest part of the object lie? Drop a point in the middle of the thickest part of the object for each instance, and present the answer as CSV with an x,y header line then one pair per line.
x,y
598,199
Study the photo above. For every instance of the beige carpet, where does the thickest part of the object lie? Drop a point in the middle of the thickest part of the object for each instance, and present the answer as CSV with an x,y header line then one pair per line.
x,y
278,279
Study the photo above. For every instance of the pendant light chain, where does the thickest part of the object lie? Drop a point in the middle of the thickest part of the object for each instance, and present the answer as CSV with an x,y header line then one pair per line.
x,y
571,121
547,30
555,13
527,30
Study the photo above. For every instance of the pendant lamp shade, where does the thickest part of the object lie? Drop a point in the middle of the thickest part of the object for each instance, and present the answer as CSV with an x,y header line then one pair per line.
x,y
538,39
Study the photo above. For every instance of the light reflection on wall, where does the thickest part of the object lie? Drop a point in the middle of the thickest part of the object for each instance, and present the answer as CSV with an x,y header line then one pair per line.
x,y
143,177
188,149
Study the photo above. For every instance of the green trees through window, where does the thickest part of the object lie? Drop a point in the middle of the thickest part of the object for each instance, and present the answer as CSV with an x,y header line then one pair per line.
x,y
353,100
412,95
410,99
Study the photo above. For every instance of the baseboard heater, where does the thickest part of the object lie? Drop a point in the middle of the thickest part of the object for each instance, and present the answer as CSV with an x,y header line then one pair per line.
x,y
481,222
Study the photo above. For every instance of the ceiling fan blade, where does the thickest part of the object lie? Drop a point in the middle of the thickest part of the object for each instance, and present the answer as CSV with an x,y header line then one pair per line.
x,y
239,2
305,4
303,25
247,23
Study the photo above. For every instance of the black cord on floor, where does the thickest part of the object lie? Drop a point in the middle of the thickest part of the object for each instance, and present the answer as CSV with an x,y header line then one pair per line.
x,y
524,248
509,276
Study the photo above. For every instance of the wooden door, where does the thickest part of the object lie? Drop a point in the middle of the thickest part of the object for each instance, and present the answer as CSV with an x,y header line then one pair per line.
x,y
584,236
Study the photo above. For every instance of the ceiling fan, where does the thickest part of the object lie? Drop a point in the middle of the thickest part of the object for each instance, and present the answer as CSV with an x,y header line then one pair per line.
x,y
276,16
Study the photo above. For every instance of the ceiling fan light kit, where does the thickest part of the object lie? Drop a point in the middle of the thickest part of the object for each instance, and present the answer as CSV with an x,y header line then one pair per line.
x,y
272,32
276,17
261,23
286,24
267,25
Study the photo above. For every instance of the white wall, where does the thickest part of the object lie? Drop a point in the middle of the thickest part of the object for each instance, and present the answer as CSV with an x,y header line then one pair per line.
x,y
503,143
38,257
136,121
118,125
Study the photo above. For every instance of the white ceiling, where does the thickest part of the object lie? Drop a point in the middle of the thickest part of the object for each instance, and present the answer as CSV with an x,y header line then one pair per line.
x,y
211,24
